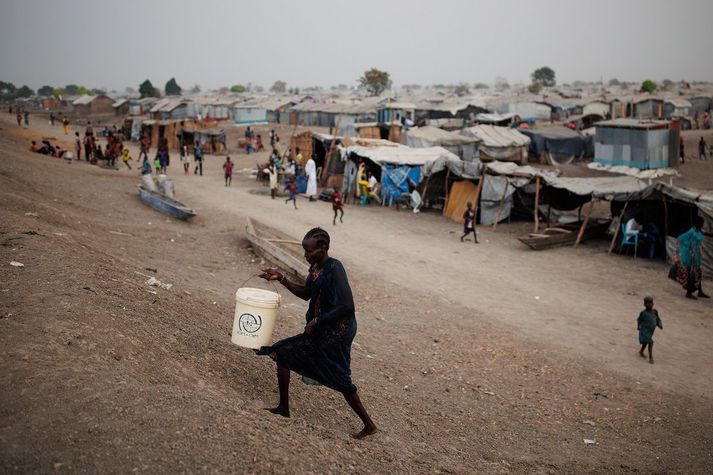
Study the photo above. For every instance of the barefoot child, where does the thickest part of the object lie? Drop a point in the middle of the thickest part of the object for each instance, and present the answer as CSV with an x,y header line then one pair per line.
x,y
126,158
469,223
337,206
292,188
646,324
228,171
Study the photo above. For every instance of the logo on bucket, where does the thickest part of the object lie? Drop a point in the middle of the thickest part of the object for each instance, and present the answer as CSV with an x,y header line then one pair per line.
x,y
250,323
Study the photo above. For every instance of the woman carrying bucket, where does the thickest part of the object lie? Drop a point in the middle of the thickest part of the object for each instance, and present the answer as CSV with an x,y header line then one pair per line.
x,y
323,351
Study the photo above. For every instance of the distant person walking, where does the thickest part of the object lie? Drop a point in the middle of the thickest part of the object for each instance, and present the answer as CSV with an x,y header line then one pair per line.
x,y
198,157
27,119
228,171
18,116
469,223
337,206
145,143
51,118
272,173
88,145
65,125
78,145
646,324
311,172
89,130
681,149
687,267
186,159
126,158
292,190
702,145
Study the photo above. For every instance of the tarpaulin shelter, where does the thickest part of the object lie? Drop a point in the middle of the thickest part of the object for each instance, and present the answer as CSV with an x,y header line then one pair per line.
x,y
463,146
494,118
558,145
672,209
499,143
637,143
399,165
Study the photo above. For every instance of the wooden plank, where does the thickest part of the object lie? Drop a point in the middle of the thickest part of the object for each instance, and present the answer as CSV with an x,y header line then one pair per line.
x,y
584,224
537,203
616,231
274,253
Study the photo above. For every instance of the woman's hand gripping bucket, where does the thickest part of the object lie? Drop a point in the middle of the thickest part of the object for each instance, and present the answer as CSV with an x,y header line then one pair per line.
x,y
255,316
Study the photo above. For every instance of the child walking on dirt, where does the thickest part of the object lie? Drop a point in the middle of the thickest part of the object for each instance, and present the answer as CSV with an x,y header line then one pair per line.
x,y
646,324
469,223
337,206
228,171
292,188
126,158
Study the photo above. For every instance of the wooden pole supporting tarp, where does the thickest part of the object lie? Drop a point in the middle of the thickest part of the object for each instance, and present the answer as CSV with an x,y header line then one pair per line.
x,y
537,203
616,231
584,224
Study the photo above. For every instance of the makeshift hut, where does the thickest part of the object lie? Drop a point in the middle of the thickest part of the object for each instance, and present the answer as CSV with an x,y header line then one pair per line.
x,y
465,110
671,209
172,108
502,120
465,147
121,107
636,143
701,104
499,143
212,140
558,145
647,108
676,107
400,169
529,111
93,105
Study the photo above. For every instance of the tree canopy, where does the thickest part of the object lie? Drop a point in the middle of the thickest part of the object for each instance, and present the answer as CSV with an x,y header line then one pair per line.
x,y
238,88
535,87
46,91
545,76
25,91
172,88
279,87
648,86
375,81
71,89
146,89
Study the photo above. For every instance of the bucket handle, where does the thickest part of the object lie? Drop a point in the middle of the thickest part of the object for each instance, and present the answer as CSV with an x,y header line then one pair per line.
x,y
256,275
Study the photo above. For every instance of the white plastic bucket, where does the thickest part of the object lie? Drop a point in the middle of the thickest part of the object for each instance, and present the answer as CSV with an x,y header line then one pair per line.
x,y
255,316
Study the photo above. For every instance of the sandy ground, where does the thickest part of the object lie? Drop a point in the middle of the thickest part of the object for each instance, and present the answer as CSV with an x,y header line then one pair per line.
x,y
488,358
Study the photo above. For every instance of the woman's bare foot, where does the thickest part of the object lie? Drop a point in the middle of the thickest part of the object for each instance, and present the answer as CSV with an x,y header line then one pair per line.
x,y
651,360
279,410
641,353
366,431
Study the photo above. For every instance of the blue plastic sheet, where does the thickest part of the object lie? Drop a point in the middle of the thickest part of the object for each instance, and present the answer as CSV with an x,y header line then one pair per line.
x,y
395,180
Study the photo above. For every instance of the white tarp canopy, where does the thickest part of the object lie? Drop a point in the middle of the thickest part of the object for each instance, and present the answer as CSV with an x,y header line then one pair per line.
x,y
497,137
598,187
512,169
494,117
431,159
429,136
635,172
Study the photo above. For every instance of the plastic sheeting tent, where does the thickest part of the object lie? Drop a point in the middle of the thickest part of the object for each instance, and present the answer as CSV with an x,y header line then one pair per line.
x,y
560,145
499,143
463,146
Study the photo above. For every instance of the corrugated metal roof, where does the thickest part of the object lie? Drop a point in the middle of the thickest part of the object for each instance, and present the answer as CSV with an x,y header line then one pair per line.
x,y
634,123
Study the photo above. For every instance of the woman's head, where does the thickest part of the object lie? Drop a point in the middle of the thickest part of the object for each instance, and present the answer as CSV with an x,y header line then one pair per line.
x,y
316,246
698,222
649,302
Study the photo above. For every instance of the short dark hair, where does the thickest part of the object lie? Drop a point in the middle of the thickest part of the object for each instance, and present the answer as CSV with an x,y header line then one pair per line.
x,y
319,235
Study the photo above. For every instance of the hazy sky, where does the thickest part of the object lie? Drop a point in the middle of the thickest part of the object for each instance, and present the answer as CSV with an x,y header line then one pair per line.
x,y
217,43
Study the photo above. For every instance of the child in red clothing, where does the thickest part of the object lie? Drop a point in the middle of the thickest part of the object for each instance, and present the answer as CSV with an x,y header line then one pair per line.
x,y
228,170
337,206
292,188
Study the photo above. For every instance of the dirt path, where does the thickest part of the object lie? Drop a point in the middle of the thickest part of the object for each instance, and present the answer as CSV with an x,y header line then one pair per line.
x,y
100,374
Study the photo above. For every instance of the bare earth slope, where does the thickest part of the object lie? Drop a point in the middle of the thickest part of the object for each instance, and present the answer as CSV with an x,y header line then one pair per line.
x,y
461,367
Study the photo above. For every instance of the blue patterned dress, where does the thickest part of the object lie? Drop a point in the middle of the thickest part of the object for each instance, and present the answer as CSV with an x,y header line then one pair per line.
x,y
325,355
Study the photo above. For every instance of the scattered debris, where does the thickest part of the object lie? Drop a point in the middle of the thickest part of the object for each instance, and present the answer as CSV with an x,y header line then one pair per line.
x,y
119,233
186,292
17,264
31,233
153,281
591,423
89,289
489,393
152,292
598,395
590,441
34,215
151,269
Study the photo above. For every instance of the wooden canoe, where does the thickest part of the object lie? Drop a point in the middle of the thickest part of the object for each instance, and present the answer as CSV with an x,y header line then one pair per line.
x,y
564,235
277,247
165,204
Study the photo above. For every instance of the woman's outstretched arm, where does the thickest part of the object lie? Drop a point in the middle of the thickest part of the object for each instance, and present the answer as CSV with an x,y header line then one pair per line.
x,y
300,290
